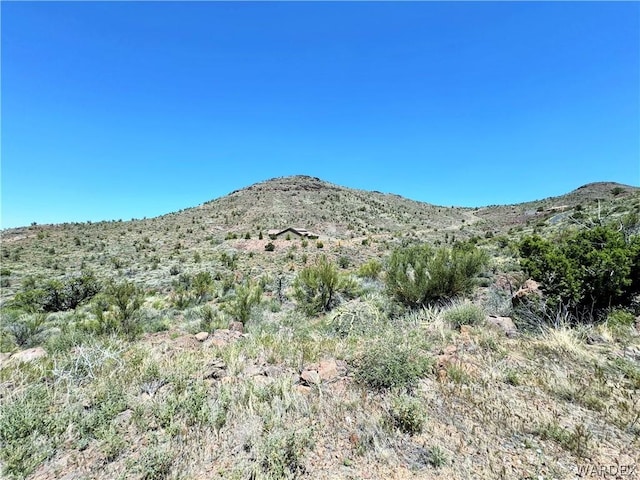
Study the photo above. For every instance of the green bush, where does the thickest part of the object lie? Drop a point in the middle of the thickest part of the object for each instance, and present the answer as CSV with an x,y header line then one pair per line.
x,y
24,329
56,295
588,271
282,452
390,365
246,296
202,284
408,414
125,300
30,430
269,247
417,275
316,287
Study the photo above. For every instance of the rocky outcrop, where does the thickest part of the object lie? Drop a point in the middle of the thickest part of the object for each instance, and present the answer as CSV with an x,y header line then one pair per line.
x,y
530,291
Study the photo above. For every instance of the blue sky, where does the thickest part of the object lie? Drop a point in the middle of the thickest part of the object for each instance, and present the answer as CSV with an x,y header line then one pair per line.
x,y
119,110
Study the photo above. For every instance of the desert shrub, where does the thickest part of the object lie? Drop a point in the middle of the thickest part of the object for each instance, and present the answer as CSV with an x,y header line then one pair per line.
x,y
344,261
316,287
464,314
370,269
56,295
359,317
620,318
282,452
124,300
389,365
246,296
269,247
24,329
229,260
211,319
155,463
202,285
588,271
620,323
417,275
407,413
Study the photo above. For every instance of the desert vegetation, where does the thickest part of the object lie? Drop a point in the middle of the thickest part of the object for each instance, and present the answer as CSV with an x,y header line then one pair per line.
x,y
409,340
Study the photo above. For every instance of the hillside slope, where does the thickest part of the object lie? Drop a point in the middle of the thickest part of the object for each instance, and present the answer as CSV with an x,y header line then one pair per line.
x,y
191,351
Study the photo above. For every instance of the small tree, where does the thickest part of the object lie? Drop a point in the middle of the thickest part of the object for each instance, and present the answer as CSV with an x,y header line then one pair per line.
x,y
247,295
588,271
125,300
315,288
202,284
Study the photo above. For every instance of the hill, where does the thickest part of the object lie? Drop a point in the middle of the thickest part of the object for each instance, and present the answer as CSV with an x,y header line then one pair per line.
x,y
345,219
180,346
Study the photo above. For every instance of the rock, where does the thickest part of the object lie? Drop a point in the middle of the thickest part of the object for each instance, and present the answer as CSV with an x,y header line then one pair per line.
x,y
236,327
528,291
446,361
273,371
303,389
328,370
223,337
311,377
503,323
466,330
219,342
202,336
216,370
124,417
595,338
185,342
29,355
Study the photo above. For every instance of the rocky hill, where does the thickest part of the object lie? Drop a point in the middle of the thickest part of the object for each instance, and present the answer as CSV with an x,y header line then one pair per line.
x,y
355,223
189,353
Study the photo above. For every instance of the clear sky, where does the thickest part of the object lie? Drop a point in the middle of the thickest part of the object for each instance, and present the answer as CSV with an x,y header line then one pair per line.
x,y
116,110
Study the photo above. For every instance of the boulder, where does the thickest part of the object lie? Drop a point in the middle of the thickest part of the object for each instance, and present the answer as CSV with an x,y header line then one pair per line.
x,y
530,290
29,355
311,377
202,336
505,324
328,370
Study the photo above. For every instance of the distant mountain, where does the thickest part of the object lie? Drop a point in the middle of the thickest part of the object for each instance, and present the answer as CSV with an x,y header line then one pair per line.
x,y
355,223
